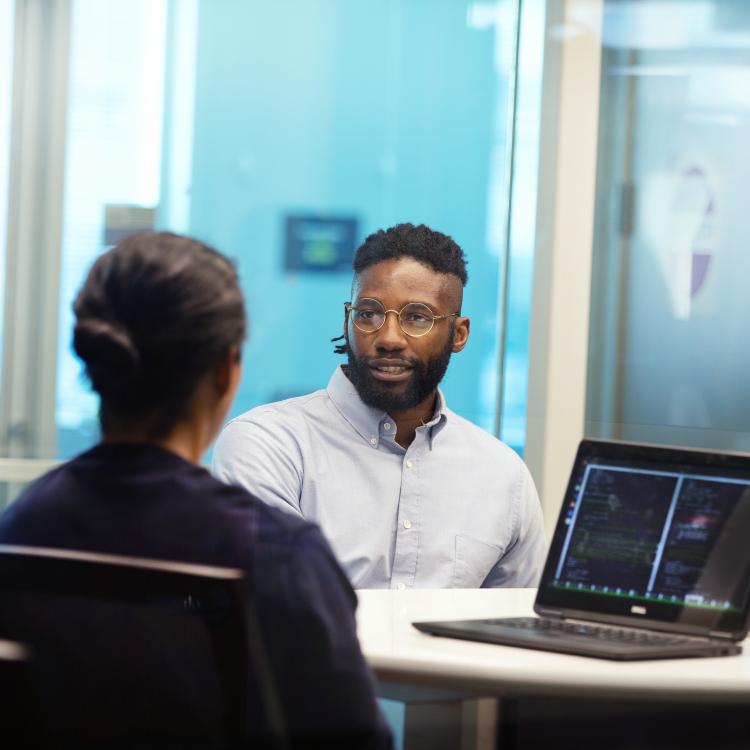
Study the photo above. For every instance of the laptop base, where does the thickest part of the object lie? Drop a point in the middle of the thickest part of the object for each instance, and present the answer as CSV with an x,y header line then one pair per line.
x,y
500,631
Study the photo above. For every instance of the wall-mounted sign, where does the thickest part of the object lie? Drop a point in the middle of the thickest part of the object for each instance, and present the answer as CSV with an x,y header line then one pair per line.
x,y
320,243
122,220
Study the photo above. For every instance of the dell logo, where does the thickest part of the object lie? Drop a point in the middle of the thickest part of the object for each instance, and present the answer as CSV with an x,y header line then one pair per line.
x,y
638,610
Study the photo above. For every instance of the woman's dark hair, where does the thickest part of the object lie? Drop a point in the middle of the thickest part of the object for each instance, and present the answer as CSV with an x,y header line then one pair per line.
x,y
437,250
153,316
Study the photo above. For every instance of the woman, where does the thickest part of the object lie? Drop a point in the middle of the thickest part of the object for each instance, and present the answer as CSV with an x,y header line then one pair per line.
x,y
159,325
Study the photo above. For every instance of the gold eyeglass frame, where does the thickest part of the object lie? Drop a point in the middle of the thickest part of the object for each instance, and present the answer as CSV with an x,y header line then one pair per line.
x,y
349,306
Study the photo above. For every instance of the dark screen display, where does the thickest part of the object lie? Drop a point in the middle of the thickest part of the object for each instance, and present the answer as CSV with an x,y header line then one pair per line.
x,y
644,529
615,527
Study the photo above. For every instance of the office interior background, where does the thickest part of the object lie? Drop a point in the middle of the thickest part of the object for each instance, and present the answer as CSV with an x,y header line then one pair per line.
x,y
590,156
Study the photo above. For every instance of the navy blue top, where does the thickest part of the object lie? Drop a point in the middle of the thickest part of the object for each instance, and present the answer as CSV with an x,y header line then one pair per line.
x,y
145,501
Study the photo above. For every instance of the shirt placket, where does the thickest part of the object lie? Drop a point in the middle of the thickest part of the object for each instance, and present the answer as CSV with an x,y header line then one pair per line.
x,y
408,524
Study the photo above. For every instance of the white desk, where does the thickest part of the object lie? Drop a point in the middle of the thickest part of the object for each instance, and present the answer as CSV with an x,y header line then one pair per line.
x,y
413,661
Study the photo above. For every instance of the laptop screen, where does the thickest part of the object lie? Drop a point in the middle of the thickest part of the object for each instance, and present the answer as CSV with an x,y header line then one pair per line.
x,y
660,534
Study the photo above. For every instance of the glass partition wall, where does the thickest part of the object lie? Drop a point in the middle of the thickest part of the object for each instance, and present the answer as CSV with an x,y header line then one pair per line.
x,y
6,93
113,155
284,133
668,358
640,306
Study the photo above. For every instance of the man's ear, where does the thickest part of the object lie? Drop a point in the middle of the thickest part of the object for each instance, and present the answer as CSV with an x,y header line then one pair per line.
x,y
461,333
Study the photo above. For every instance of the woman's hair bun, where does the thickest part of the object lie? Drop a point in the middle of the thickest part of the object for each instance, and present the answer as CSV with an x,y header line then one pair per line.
x,y
108,352
153,316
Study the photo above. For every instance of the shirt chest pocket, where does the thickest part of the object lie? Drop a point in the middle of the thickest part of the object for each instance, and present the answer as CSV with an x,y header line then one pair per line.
x,y
473,561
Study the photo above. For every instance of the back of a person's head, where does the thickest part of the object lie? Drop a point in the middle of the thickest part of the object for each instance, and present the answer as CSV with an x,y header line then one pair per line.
x,y
435,249
153,316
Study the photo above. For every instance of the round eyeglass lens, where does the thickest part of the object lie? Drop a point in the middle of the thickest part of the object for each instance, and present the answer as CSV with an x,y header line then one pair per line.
x,y
368,315
416,319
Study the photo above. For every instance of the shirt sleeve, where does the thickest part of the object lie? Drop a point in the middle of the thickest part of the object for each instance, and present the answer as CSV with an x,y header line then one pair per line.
x,y
522,564
263,456
327,689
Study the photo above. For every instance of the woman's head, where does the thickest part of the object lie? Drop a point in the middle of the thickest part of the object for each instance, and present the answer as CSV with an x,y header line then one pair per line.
x,y
154,316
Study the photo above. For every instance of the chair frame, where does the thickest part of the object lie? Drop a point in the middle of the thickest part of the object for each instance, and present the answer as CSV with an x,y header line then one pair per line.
x,y
238,647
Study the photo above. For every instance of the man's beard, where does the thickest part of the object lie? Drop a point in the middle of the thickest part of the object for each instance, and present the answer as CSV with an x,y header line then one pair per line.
x,y
423,382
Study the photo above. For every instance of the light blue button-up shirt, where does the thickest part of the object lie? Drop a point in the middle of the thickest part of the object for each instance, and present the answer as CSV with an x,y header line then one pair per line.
x,y
457,508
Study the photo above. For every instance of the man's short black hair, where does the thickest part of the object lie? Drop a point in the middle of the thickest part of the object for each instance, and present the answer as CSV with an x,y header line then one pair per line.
x,y
437,250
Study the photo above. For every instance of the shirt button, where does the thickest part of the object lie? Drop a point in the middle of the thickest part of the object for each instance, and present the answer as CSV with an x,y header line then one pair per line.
x,y
374,440
407,524
401,587
387,426
408,463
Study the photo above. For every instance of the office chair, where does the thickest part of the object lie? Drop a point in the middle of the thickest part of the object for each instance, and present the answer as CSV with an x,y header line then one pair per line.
x,y
135,652
18,723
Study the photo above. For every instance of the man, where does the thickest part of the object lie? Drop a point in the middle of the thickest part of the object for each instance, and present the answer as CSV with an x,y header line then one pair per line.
x,y
408,493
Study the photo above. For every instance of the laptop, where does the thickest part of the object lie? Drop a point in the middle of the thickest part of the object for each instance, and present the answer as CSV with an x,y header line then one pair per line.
x,y
650,559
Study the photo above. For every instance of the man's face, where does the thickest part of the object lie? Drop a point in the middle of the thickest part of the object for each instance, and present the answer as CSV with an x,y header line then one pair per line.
x,y
392,371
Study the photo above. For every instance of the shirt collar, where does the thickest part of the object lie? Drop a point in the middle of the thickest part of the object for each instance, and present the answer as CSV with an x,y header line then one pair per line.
x,y
439,418
366,420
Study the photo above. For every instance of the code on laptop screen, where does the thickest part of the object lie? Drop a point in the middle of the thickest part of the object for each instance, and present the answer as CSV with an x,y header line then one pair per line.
x,y
658,535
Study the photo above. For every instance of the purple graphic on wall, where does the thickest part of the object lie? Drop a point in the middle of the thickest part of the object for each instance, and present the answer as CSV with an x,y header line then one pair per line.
x,y
699,272
702,256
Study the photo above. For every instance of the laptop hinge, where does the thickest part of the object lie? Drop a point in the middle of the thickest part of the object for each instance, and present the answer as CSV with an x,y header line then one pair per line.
x,y
550,612
720,634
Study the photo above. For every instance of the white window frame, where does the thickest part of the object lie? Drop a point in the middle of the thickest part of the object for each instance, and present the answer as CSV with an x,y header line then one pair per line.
x,y
35,198
559,336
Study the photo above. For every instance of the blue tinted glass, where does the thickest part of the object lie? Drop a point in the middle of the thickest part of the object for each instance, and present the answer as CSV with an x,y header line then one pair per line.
x,y
113,166
350,112
284,133
668,361
522,227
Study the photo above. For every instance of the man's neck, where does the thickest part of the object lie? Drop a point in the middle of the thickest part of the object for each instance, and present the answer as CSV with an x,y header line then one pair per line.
x,y
409,420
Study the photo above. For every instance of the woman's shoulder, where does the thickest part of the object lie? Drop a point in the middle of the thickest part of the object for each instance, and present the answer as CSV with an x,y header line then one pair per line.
x,y
31,508
150,502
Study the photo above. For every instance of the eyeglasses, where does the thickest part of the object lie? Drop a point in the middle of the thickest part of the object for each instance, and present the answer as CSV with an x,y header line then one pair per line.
x,y
415,318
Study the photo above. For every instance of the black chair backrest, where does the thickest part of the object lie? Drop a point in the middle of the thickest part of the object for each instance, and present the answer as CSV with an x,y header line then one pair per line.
x,y
133,652
18,720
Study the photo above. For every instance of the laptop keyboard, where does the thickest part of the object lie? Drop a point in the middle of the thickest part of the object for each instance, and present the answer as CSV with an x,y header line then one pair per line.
x,y
600,632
